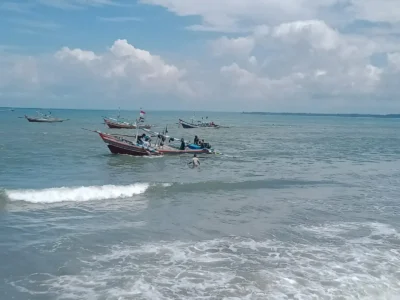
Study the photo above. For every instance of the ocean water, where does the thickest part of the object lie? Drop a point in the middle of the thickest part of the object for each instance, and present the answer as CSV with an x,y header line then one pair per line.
x,y
295,207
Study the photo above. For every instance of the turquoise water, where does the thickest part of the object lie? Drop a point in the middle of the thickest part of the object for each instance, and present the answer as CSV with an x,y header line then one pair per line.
x,y
295,207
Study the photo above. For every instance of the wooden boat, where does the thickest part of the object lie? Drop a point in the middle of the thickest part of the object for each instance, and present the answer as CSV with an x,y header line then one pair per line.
x,y
199,124
42,118
118,145
119,124
190,148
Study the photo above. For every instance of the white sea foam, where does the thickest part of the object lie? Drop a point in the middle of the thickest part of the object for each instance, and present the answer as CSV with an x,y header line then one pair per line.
x,y
239,268
77,194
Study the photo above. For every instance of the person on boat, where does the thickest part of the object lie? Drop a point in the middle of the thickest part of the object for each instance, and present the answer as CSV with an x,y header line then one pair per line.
x,y
182,147
146,144
141,138
196,140
201,144
162,141
195,161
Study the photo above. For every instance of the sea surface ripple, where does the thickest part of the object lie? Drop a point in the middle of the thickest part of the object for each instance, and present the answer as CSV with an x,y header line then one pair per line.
x,y
295,207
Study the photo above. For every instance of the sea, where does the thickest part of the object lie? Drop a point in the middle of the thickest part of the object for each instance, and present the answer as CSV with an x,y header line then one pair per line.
x,y
291,207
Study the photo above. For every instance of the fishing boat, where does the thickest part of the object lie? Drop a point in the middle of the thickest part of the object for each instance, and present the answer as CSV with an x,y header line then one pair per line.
x,y
199,124
118,144
43,118
190,148
120,124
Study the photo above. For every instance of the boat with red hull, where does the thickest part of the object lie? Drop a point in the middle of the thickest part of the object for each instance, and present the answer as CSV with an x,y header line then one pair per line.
x,y
118,145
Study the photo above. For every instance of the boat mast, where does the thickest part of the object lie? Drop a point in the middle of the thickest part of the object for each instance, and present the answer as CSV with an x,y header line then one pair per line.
x,y
137,130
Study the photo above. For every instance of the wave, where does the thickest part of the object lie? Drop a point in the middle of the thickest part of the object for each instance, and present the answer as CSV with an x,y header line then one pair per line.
x,y
77,194
91,193
269,268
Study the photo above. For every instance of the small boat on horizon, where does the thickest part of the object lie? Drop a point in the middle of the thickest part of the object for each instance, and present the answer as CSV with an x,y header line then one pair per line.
x,y
43,118
199,124
121,123
113,123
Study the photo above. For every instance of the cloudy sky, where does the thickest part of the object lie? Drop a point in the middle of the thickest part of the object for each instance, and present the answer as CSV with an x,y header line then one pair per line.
x,y
232,55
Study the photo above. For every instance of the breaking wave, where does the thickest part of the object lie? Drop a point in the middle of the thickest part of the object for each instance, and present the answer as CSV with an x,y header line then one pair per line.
x,y
238,268
77,194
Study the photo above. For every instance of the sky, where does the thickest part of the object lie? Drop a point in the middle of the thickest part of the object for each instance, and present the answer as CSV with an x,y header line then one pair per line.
x,y
333,56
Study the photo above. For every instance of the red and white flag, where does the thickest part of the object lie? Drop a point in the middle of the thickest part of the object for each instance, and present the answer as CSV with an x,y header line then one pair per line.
x,y
142,113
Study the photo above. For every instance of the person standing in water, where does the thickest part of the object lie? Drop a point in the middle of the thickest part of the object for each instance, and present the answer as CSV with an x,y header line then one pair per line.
x,y
195,161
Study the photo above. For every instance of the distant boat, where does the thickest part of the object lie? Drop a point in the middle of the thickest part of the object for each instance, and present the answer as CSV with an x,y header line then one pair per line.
x,y
199,124
120,124
42,118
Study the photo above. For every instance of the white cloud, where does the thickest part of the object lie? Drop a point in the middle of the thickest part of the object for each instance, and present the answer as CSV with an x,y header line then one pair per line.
x,y
126,59
237,46
120,73
394,60
375,11
232,14
76,54
300,61
122,67
317,33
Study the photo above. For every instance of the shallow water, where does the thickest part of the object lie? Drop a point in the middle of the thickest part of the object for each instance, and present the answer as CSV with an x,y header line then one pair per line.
x,y
295,207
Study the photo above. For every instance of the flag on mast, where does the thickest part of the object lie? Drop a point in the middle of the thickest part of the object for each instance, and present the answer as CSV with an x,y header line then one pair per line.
x,y
142,113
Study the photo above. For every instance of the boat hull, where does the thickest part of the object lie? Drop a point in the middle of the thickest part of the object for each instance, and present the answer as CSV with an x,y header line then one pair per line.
x,y
125,151
187,126
121,146
41,120
167,150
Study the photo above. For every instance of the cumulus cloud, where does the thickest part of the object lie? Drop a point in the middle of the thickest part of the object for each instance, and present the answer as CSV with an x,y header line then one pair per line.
x,y
236,46
121,71
76,54
233,15
315,32
226,15
124,62
301,60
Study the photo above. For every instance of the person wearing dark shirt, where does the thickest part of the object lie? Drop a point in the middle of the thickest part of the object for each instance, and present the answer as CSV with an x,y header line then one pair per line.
x,y
182,145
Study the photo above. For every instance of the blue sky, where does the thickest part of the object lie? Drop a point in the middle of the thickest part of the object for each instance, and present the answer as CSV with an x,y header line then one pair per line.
x,y
304,55
44,28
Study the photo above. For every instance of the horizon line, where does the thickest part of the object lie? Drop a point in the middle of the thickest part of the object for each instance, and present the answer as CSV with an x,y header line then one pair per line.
x,y
211,111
